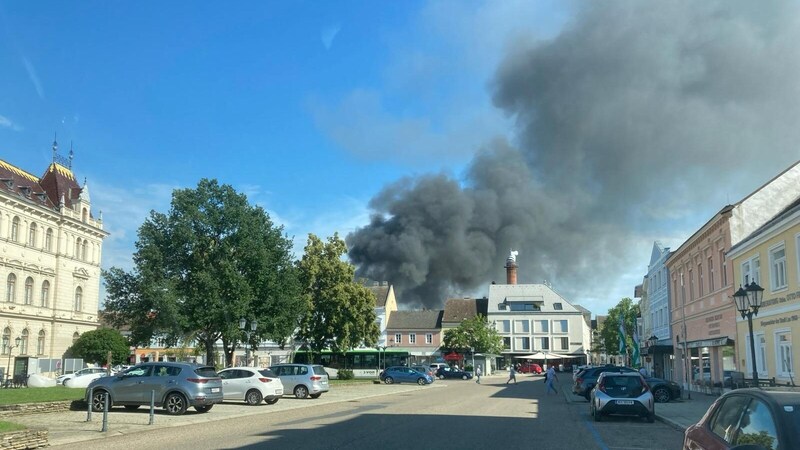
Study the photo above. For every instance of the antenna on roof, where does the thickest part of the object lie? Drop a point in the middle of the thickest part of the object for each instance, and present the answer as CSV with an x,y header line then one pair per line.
x,y
71,155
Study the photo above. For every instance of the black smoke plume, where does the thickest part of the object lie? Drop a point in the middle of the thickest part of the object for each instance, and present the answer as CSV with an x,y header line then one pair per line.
x,y
635,118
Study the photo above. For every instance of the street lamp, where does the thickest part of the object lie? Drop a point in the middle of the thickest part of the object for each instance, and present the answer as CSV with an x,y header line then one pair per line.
x,y
17,341
748,300
651,344
247,332
472,351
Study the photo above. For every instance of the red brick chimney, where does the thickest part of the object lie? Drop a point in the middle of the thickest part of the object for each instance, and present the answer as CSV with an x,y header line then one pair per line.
x,y
511,268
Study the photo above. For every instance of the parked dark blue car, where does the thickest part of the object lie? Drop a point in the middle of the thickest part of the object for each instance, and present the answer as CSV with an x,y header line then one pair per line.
x,y
402,374
449,372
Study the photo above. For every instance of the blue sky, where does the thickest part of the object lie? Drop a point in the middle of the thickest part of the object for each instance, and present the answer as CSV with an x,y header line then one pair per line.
x,y
309,108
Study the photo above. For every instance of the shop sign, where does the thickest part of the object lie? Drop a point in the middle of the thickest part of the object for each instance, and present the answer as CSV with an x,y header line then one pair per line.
x,y
779,320
709,343
777,300
714,324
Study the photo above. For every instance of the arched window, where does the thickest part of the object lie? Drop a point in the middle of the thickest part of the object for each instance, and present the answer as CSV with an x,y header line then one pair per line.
x,y
40,343
15,229
78,248
6,341
85,215
84,249
11,288
32,235
48,240
75,337
29,291
23,344
78,298
45,294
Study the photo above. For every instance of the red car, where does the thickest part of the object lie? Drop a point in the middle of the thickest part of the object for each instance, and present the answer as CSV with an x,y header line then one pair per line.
x,y
748,418
531,368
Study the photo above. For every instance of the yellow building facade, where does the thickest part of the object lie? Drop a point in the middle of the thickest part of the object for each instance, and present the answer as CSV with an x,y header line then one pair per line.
x,y
770,257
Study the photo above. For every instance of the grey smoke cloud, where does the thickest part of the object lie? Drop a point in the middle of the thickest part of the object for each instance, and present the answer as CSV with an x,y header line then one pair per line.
x,y
636,119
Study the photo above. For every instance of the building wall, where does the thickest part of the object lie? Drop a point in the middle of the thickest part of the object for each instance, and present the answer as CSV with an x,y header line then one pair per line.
x,y
778,321
578,332
62,266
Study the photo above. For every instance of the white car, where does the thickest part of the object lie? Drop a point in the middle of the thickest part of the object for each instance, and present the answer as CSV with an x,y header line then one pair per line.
x,y
251,384
91,370
83,380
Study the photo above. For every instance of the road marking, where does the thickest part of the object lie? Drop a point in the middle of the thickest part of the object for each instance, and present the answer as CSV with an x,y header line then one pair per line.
x,y
596,435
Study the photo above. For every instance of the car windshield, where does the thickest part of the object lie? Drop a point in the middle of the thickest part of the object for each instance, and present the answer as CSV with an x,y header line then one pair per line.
x,y
206,371
622,387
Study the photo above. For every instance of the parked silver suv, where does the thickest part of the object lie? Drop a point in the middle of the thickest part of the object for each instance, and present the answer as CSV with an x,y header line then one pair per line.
x,y
622,393
177,387
302,380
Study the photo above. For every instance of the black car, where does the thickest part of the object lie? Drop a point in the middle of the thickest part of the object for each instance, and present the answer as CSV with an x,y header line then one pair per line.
x,y
663,390
449,372
748,418
585,381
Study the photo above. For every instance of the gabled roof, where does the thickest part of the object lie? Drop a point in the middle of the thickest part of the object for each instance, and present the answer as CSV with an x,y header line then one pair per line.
x,y
415,320
458,309
381,294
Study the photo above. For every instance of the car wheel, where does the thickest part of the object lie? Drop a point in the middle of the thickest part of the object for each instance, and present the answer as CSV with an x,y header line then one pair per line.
x,y
587,396
388,380
272,401
661,395
301,392
421,381
253,397
464,377
598,416
203,409
441,377
98,398
651,417
175,404
132,407
315,395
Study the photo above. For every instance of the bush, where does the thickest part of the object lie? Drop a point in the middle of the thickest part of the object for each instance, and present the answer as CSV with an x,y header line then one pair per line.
x,y
345,374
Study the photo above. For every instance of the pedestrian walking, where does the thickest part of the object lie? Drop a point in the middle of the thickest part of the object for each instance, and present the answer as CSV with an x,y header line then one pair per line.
x,y
478,374
512,374
550,376
643,371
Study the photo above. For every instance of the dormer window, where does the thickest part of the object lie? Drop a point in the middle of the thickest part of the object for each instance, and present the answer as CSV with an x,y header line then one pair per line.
x,y
557,306
9,182
42,197
25,190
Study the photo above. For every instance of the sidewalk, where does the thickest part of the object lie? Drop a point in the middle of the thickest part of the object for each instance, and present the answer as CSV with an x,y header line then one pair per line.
x,y
679,414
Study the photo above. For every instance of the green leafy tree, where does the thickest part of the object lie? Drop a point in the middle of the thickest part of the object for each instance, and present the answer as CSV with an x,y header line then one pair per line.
x,y
93,346
211,260
609,333
340,312
473,333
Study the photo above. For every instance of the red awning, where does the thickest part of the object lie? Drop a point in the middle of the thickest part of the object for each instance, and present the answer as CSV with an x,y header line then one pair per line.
x,y
453,356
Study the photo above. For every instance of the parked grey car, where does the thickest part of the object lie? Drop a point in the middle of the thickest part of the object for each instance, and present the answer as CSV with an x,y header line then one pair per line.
x,y
177,386
622,393
302,380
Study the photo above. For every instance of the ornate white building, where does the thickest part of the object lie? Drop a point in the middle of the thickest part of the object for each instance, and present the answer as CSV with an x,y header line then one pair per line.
x,y
50,250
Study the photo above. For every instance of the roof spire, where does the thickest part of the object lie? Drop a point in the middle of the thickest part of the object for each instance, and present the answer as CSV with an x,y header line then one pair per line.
x,y
71,155
55,146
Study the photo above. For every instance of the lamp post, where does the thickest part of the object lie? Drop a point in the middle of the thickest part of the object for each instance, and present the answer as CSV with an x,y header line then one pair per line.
x,y
651,344
247,332
472,352
17,341
748,300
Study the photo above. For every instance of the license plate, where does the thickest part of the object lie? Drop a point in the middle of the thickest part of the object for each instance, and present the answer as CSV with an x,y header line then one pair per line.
x,y
624,402
214,390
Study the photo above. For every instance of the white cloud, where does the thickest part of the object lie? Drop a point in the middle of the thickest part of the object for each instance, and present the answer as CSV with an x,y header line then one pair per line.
x,y
329,34
5,122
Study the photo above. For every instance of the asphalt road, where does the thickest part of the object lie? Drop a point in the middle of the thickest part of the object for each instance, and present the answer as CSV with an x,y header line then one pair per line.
x,y
448,414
